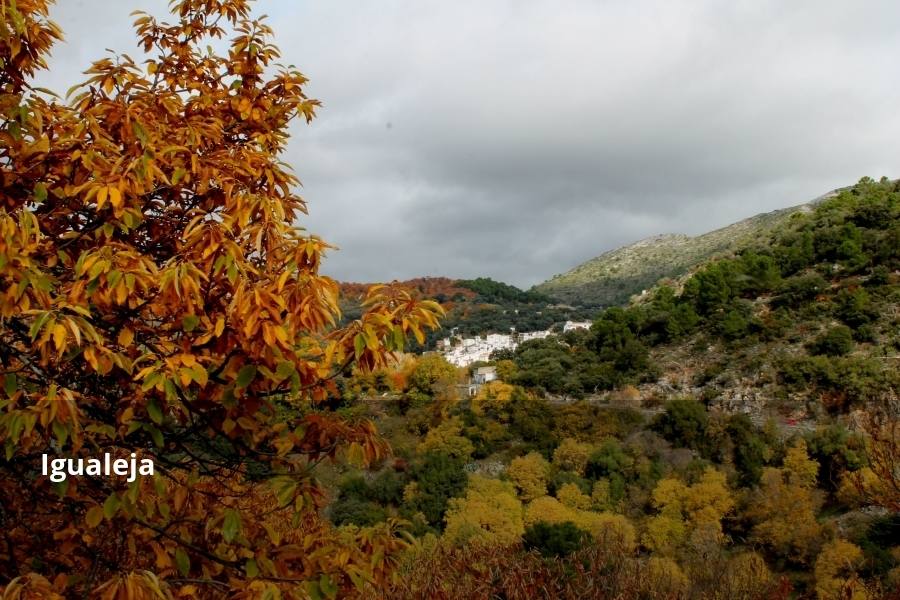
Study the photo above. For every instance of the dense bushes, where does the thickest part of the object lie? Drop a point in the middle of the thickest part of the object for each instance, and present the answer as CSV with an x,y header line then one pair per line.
x,y
554,539
598,571
830,264
492,291
711,502
436,479
840,382
425,490
836,341
684,424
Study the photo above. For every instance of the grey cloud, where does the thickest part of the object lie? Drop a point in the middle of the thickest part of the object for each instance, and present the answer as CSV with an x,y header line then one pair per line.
x,y
516,138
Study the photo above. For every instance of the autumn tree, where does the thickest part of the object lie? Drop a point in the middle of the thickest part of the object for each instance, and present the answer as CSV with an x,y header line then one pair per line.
x,y
493,396
490,514
572,455
783,507
684,509
605,527
835,572
529,474
432,372
447,439
158,297
572,496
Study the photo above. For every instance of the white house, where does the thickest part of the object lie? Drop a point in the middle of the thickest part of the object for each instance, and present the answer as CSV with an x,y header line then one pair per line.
x,y
484,374
572,325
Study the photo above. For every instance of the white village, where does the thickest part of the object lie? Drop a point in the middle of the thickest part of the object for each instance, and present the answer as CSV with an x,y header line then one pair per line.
x,y
462,352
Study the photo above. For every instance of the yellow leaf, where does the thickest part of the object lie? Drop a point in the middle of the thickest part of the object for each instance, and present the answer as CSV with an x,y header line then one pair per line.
x,y
126,336
283,279
59,336
91,357
115,197
101,198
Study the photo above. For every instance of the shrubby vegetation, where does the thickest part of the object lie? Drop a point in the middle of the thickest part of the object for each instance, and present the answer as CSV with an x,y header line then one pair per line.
x,y
692,502
568,466
827,280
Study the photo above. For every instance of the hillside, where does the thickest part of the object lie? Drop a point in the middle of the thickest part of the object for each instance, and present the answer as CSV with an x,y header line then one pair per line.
x,y
735,437
476,306
613,277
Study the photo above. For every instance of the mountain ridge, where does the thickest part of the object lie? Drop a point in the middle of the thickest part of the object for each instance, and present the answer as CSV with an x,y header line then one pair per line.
x,y
612,277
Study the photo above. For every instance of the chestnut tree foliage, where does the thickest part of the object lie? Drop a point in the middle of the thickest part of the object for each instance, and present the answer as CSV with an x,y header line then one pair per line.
x,y
157,297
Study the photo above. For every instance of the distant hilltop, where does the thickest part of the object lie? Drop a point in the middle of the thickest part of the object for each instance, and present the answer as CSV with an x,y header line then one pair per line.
x,y
613,277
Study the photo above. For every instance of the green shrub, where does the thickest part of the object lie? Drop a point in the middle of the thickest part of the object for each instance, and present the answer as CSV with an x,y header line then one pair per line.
x,y
836,450
608,460
836,341
684,424
854,307
800,289
554,539
749,449
356,512
438,478
387,487
561,478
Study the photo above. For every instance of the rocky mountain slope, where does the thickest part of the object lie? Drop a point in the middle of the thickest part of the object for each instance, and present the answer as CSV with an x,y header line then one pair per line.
x,y
613,277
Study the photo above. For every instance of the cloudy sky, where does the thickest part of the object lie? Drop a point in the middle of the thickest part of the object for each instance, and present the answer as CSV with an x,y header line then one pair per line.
x,y
518,138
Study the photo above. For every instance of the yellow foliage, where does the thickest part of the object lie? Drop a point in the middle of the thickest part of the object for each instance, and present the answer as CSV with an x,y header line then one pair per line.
x,y
159,294
572,455
137,585
489,514
447,438
664,533
529,473
547,509
708,500
30,587
682,508
432,372
506,370
784,513
669,493
608,527
857,488
600,498
799,467
892,579
493,395
572,496
410,491
836,572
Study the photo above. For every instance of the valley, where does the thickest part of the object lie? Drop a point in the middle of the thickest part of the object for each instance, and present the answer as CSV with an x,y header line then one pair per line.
x,y
722,413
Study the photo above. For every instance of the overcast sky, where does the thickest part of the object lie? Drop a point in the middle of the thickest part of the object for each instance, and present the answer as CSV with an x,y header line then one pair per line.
x,y
517,138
